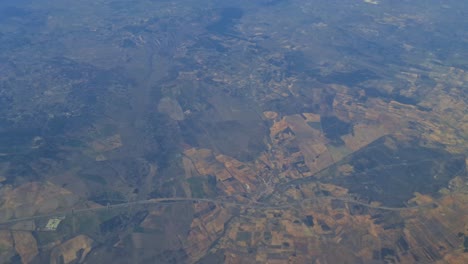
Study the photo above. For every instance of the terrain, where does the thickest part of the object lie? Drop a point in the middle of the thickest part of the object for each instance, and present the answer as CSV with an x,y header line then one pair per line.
x,y
267,131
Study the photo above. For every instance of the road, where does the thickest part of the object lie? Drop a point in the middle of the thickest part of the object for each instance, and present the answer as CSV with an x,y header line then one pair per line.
x,y
250,204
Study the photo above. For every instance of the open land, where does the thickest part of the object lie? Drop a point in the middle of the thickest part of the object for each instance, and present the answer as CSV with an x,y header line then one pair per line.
x,y
269,131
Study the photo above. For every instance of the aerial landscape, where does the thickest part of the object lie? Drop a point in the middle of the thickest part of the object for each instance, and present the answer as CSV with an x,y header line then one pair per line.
x,y
248,131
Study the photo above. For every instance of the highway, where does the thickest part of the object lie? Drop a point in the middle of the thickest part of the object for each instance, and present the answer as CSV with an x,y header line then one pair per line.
x,y
250,204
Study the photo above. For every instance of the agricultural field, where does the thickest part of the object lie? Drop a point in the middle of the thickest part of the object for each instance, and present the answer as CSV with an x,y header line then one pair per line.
x,y
264,131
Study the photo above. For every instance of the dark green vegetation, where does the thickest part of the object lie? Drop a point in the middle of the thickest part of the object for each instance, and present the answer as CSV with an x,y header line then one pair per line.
x,y
334,128
349,78
226,21
465,244
82,92
391,172
217,257
203,187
